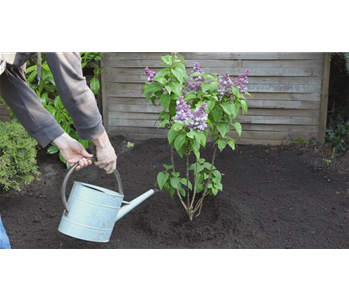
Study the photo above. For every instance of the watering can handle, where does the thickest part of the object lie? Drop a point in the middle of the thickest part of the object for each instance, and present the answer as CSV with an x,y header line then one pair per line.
x,y
66,178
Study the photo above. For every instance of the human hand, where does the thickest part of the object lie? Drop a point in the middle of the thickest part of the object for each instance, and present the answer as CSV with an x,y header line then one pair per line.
x,y
73,151
106,155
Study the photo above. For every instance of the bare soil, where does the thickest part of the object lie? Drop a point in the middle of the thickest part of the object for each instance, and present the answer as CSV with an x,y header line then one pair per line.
x,y
274,197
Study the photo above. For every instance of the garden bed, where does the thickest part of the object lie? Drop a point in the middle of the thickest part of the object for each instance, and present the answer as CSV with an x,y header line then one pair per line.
x,y
274,197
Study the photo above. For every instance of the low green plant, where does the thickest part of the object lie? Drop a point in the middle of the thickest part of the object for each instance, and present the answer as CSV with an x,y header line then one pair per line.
x,y
18,165
194,107
130,145
337,137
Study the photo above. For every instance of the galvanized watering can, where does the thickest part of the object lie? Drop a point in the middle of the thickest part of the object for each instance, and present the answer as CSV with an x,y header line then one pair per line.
x,y
91,211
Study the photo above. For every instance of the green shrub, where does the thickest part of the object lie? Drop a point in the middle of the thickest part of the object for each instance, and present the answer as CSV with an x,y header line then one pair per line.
x,y
338,137
17,156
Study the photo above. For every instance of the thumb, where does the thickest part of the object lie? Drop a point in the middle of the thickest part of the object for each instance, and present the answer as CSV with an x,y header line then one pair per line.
x,y
85,153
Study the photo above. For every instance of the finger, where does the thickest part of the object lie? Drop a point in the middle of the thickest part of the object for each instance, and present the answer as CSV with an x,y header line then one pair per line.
x,y
81,163
85,162
101,164
86,154
89,161
109,168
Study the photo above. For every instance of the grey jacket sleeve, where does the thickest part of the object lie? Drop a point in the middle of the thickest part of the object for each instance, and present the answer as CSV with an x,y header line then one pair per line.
x,y
27,107
75,94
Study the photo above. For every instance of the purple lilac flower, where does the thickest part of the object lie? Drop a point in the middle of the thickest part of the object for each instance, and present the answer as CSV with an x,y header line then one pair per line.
x,y
242,81
150,74
225,84
199,118
196,120
196,68
183,112
196,85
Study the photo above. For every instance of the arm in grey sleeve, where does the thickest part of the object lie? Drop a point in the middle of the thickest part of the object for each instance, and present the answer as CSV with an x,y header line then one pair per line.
x,y
76,96
27,106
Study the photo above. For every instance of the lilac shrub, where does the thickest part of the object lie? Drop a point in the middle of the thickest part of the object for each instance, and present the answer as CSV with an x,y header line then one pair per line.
x,y
194,107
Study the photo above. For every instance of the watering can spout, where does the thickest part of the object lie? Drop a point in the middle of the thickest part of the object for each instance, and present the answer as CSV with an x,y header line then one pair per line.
x,y
128,206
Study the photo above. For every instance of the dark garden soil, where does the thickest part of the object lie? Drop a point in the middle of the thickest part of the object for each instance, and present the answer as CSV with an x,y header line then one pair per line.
x,y
274,197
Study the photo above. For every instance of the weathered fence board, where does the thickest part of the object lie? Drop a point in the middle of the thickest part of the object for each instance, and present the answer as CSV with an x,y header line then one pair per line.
x,y
289,93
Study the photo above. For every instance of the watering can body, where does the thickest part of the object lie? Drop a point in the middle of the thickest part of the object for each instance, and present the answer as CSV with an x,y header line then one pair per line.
x,y
91,211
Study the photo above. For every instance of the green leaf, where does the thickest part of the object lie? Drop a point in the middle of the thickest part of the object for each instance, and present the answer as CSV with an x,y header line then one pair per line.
x,y
182,191
237,106
228,108
52,149
161,74
177,74
221,144
237,127
177,126
223,129
201,137
84,143
181,151
244,106
214,191
190,96
66,128
176,87
191,134
167,59
163,81
231,143
213,86
217,114
196,148
184,182
211,105
217,174
210,124
165,101
51,109
205,87
162,178
168,89
32,76
56,102
61,158
179,141
175,182
218,186
163,123
153,87
94,85
171,135
168,167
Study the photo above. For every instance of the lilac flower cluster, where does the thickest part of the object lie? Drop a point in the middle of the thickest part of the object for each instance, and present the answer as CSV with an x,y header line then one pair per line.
x,y
225,84
196,85
150,74
242,81
193,120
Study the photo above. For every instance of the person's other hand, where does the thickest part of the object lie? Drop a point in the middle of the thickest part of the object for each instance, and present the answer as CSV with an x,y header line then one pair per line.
x,y
106,155
73,151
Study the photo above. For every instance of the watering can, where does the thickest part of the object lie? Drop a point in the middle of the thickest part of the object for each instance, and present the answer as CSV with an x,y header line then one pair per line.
x,y
91,211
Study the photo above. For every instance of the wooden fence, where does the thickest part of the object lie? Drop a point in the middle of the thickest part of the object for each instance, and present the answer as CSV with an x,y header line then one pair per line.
x,y
290,92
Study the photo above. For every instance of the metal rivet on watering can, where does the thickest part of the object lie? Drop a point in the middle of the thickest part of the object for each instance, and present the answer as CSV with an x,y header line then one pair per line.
x,y
91,211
